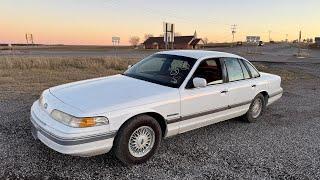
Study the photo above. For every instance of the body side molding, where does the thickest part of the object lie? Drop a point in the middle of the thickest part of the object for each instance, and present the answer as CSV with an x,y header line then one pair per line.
x,y
207,112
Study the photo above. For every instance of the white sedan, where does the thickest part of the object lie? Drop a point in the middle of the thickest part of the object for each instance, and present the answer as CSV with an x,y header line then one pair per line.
x,y
163,95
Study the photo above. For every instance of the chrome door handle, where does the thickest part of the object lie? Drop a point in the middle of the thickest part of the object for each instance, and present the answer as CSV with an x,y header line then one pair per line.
x,y
254,86
224,91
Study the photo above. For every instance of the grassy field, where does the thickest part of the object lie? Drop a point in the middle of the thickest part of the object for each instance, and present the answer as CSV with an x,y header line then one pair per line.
x,y
20,75
287,75
58,63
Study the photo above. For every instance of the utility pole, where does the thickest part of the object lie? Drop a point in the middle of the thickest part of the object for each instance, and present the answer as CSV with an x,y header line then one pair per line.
x,y
233,31
300,36
299,43
27,39
270,36
31,36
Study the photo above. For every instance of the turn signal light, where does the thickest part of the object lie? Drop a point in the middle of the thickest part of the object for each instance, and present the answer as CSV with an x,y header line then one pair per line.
x,y
87,122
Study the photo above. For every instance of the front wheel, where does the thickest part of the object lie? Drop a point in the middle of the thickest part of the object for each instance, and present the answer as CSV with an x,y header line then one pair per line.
x,y
137,140
256,108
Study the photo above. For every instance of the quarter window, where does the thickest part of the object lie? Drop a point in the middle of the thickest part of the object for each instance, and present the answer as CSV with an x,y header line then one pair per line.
x,y
234,69
253,70
244,70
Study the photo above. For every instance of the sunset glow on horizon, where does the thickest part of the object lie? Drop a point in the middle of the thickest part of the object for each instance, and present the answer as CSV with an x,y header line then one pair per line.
x,y
94,22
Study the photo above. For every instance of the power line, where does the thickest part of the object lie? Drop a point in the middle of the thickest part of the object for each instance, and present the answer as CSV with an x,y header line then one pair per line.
x,y
163,14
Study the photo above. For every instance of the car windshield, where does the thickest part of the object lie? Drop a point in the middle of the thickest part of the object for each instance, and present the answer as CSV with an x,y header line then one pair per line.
x,y
163,69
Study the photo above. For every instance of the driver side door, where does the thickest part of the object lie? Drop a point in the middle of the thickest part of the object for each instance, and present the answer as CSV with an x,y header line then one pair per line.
x,y
203,106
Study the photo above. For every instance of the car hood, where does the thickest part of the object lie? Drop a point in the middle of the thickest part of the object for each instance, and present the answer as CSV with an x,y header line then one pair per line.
x,y
106,94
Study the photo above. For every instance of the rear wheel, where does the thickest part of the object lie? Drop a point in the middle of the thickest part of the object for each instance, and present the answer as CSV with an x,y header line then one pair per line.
x,y
137,140
256,108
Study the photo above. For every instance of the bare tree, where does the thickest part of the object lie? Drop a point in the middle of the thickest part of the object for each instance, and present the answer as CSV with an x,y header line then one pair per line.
x,y
205,40
147,36
134,41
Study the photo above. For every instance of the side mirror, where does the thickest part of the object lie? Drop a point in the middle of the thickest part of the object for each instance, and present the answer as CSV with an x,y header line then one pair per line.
x,y
199,82
129,66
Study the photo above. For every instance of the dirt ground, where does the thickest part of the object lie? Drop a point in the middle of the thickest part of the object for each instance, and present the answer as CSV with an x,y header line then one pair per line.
x,y
283,144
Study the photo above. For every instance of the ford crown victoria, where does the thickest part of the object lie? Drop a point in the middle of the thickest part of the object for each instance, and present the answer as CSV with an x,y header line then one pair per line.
x,y
163,95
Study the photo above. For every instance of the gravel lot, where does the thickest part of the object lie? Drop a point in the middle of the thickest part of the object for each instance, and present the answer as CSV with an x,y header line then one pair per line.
x,y
284,144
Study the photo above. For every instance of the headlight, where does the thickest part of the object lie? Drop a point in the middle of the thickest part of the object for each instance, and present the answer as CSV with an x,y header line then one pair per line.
x,y
78,122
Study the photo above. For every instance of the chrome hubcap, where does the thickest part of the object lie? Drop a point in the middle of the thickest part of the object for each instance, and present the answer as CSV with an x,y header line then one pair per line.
x,y
256,108
141,141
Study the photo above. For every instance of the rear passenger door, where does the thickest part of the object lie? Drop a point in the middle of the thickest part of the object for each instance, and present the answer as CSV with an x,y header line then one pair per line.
x,y
239,86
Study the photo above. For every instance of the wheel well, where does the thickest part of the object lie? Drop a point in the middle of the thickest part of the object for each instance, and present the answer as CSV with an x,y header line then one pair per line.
x,y
160,119
162,122
265,95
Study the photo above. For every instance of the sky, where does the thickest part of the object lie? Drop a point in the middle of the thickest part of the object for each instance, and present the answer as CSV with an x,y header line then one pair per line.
x,y
95,22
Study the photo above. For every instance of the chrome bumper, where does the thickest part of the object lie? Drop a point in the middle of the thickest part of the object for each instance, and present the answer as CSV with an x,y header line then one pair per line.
x,y
64,141
78,146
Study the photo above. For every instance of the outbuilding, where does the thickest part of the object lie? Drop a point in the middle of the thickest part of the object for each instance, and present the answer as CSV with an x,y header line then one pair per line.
x,y
180,42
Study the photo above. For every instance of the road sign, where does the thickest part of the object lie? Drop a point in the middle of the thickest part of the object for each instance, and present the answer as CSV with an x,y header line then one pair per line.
x,y
168,31
115,40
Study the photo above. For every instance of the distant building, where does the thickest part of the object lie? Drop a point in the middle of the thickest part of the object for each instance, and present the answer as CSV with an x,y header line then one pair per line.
x,y
253,39
180,42
317,40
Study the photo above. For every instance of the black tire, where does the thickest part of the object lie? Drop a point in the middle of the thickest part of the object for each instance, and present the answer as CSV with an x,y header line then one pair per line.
x,y
249,115
121,141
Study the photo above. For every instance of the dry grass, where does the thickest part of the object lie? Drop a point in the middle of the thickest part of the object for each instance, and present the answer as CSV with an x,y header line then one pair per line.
x,y
58,63
22,75
287,75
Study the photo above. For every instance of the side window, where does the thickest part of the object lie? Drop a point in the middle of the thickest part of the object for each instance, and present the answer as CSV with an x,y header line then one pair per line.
x,y
253,71
210,70
234,69
244,70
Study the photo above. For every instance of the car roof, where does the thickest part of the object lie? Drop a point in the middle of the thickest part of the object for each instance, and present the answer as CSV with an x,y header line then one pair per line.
x,y
198,54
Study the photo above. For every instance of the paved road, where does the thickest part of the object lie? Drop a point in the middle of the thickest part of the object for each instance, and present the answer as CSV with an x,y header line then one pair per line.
x,y
284,144
132,53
